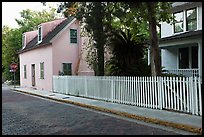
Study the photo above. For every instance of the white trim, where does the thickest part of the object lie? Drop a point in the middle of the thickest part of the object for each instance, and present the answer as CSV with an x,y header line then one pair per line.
x,y
184,20
40,26
62,30
24,41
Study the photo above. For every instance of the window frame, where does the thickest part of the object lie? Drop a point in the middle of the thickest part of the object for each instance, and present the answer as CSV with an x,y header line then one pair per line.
x,y
194,19
69,72
24,41
24,72
175,22
40,33
71,37
42,68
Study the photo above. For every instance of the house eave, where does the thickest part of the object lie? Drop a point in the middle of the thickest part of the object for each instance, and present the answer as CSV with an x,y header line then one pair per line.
x,y
35,47
190,34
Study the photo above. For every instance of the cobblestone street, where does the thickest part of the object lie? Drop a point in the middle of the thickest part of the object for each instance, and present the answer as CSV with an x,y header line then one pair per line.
x,y
27,115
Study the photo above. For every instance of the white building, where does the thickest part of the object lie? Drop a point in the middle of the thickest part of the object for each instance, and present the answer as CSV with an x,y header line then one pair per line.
x,y
181,42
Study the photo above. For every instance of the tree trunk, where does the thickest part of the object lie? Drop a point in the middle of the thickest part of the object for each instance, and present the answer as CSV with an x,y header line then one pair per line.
x,y
99,37
154,47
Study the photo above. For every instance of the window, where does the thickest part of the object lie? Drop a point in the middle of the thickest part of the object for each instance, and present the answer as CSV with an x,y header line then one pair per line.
x,y
194,54
42,70
24,69
178,23
183,58
39,34
23,41
67,68
188,57
73,36
191,19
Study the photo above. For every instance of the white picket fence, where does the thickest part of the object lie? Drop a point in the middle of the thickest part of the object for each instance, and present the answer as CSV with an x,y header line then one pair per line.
x,y
173,93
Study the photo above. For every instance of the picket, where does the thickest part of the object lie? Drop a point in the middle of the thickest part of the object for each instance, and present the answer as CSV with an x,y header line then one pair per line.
x,y
177,93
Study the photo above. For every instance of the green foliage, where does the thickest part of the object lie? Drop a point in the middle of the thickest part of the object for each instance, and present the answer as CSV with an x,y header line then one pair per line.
x,y
152,13
30,19
134,16
127,59
12,38
91,14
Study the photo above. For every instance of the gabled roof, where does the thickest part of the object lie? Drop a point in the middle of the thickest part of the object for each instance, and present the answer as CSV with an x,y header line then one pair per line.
x,y
33,44
182,35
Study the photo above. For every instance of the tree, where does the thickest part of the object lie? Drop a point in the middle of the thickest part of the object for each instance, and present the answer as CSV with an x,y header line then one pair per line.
x,y
12,37
138,17
127,55
30,19
153,13
92,15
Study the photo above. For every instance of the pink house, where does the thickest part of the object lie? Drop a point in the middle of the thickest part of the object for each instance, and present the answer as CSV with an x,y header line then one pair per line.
x,y
56,48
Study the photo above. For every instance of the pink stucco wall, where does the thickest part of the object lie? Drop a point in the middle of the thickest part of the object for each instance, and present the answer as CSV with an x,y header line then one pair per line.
x,y
66,52
36,56
61,51
83,66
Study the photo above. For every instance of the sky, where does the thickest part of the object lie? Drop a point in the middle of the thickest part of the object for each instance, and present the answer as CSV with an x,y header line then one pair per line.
x,y
11,10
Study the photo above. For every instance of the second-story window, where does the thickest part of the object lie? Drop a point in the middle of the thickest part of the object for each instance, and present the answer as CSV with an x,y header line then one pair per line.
x,y
39,34
191,19
23,41
178,24
73,36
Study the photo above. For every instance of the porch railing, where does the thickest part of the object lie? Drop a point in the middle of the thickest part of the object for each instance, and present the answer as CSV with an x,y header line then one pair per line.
x,y
184,72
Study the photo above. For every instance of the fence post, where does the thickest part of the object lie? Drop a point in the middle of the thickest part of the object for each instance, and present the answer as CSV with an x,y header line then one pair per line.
x,y
112,90
200,96
191,95
85,82
159,80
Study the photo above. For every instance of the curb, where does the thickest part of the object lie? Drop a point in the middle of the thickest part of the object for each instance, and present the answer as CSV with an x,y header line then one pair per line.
x,y
125,114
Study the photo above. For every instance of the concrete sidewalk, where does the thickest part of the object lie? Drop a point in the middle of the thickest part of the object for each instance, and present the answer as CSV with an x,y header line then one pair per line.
x,y
182,121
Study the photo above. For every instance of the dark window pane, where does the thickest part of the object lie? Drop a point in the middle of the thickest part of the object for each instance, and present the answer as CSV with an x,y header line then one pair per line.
x,y
191,25
178,16
73,36
194,57
191,20
67,68
178,23
183,58
25,71
191,14
178,27
42,70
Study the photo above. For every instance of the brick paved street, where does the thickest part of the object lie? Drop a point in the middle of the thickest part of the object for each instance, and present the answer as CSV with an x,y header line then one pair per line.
x,y
27,115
